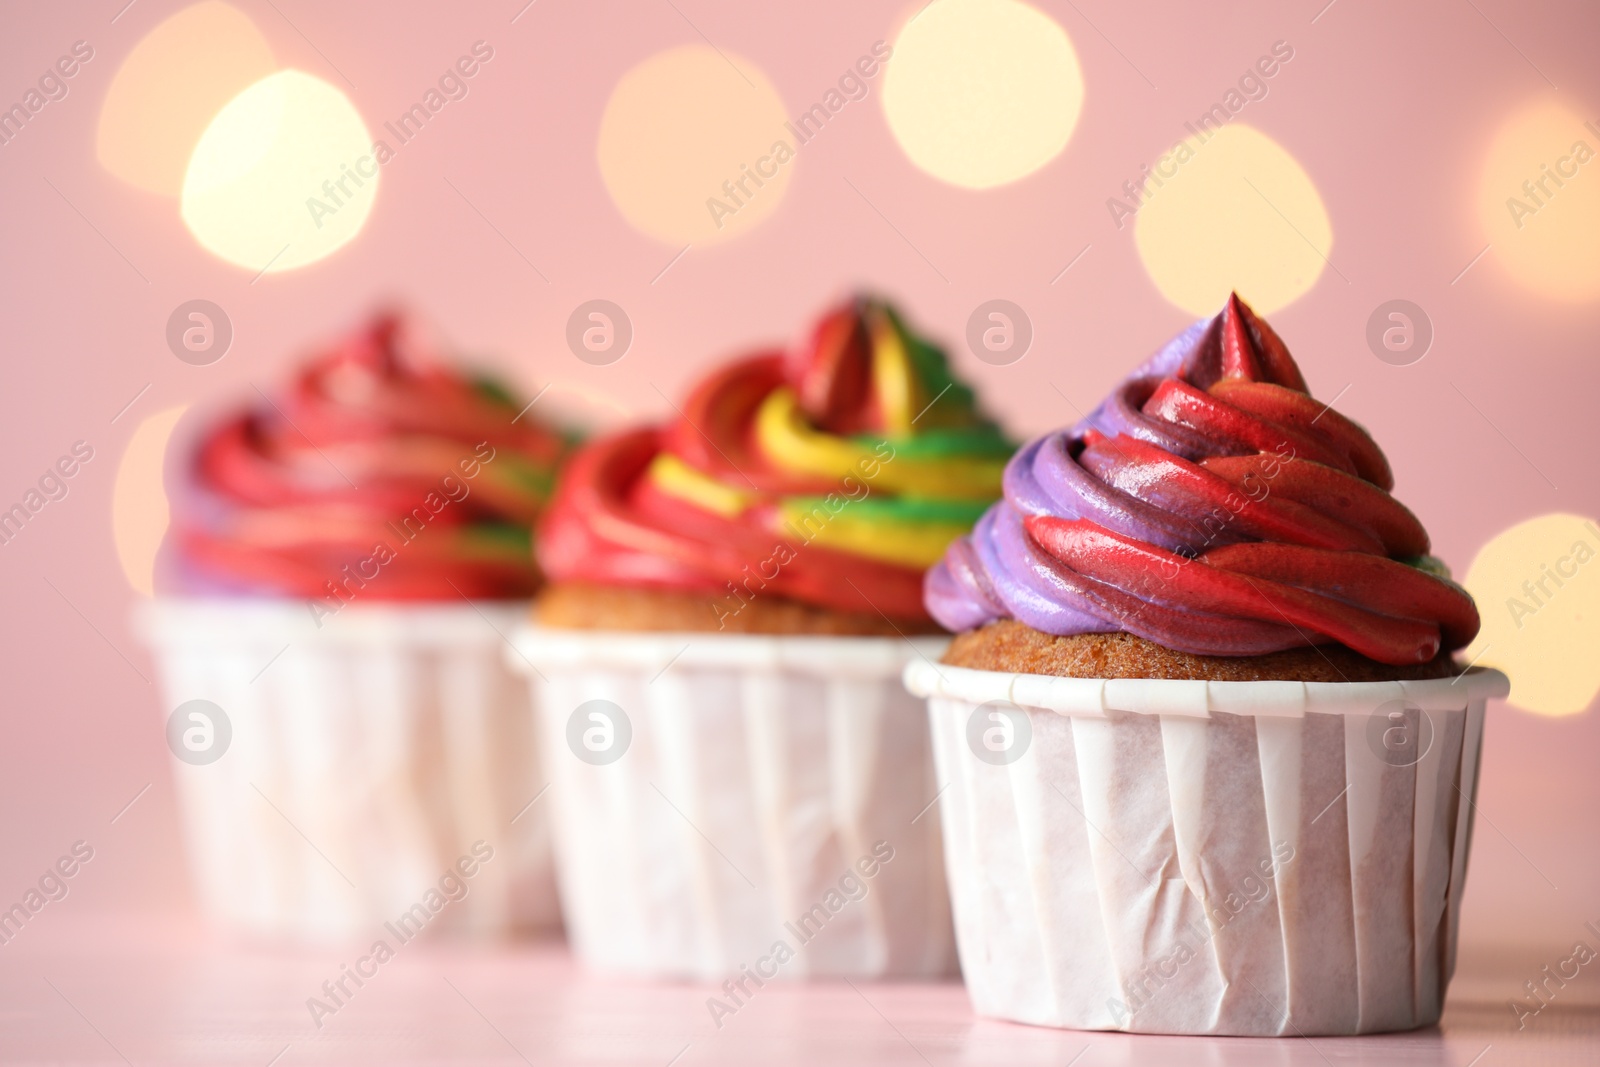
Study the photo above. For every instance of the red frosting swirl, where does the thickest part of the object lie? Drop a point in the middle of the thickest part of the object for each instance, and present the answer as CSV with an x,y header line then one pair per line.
x,y
378,473
810,476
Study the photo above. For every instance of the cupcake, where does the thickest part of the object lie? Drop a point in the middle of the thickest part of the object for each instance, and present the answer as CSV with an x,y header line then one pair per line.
x,y
1208,760
740,785
345,559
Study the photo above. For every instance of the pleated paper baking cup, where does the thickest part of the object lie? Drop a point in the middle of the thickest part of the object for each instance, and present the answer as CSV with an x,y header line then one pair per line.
x,y
337,778
731,805
1192,857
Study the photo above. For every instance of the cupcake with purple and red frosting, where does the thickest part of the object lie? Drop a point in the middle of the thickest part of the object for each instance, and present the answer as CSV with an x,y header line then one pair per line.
x,y
1212,508
1207,747
345,556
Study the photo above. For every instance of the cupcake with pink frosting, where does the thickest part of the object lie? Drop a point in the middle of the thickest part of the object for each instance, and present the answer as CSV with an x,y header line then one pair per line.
x,y
345,557
1207,753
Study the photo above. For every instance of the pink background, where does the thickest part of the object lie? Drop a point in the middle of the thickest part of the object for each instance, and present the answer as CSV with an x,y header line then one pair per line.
x,y
1388,107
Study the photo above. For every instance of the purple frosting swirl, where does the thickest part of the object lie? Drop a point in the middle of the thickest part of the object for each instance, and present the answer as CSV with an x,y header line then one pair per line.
x,y
999,572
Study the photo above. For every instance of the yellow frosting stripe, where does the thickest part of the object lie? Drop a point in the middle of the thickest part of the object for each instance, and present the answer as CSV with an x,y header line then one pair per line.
x,y
892,375
784,434
675,477
918,545
786,437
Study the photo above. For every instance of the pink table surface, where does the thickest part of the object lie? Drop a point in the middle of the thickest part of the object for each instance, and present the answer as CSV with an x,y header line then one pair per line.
x,y
149,991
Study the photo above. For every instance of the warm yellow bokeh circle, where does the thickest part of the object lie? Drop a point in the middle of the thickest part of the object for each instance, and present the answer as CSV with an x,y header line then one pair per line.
x,y
1537,586
982,92
169,88
689,146
139,509
284,175
1539,201
1232,212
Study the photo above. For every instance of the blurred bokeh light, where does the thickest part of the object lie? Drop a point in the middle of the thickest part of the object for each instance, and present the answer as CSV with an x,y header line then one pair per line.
x,y
283,176
169,88
139,509
1239,213
982,92
1538,589
683,133
1539,201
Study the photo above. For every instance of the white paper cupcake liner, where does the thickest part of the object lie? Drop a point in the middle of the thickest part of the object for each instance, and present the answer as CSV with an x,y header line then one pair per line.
x,y
1191,857
763,779
367,758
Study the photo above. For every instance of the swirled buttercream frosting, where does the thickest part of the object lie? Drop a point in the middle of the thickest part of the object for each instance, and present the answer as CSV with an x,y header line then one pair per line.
x,y
832,474
1212,506
380,472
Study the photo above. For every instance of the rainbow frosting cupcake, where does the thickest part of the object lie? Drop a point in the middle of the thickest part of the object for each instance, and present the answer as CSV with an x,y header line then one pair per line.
x,y
324,493
732,597
804,492
345,557
1209,762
